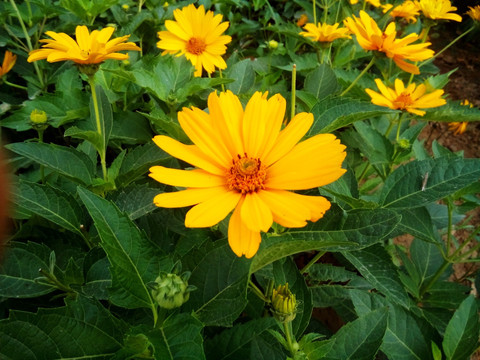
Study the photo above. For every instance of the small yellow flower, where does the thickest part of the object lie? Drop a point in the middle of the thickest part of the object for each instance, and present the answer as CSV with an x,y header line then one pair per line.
x,y
88,49
246,163
9,60
370,37
324,33
410,98
407,10
438,10
197,35
474,12
459,128
302,20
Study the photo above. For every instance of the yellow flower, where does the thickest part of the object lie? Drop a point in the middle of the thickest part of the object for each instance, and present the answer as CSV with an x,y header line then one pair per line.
x,y
459,128
370,37
438,10
246,163
375,3
198,36
89,48
302,20
407,10
474,12
324,32
410,98
8,62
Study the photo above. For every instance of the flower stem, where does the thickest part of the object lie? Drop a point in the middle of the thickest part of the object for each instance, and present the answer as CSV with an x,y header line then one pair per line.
x,y
287,328
29,43
434,279
369,65
221,77
315,12
257,291
294,82
15,85
313,261
102,152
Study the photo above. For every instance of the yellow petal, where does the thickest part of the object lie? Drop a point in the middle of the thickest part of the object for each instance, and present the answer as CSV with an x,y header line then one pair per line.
x,y
186,197
241,239
285,212
255,213
213,210
185,178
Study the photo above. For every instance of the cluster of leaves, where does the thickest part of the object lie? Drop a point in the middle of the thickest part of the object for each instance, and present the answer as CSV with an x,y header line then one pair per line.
x,y
74,279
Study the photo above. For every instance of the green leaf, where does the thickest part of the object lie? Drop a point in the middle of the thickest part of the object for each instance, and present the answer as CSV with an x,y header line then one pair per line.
x,y
453,112
359,339
134,260
333,113
327,272
64,160
92,136
136,200
82,329
19,269
330,295
52,204
131,128
426,258
375,265
97,274
417,222
337,231
221,280
138,161
321,82
446,295
372,144
236,343
409,185
243,74
461,336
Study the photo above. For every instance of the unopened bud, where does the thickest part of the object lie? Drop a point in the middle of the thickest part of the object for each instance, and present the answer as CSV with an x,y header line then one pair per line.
x,y
272,44
38,119
284,304
171,291
404,144
125,7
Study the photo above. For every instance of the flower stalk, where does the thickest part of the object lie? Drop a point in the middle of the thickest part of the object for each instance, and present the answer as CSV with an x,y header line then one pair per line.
x,y
369,65
101,152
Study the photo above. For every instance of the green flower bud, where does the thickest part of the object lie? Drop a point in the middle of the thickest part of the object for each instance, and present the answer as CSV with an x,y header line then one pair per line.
x,y
284,304
404,144
272,44
38,120
171,291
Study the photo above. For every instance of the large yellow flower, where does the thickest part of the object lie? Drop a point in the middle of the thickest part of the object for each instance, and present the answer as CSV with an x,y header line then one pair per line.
x,y
410,98
246,163
89,48
198,36
474,12
370,37
324,33
438,10
407,10
8,61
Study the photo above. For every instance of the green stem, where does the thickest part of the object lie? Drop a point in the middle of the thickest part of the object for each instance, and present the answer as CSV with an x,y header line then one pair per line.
x,y
294,81
103,151
312,261
434,279
52,279
370,64
364,172
449,228
465,243
15,85
287,328
257,291
315,12
27,37
42,168
221,77
399,126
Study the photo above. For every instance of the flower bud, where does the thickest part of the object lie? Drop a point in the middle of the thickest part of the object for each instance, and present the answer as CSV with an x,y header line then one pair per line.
x,y
38,119
171,291
272,44
404,144
125,7
284,304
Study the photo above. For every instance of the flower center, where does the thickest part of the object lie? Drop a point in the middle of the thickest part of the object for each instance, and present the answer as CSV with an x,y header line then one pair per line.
x,y
196,46
247,175
402,101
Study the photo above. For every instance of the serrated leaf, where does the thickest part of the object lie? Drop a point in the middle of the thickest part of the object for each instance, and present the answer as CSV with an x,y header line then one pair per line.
x,y
138,161
91,136
82,329
321,82
453,112
221,280
328,272
418,223
136,200
408,187
134,259
332,113
96,273
243,74
19,269
64,160
375,265
52,204
234,343
461,335
426,258
446,295
335,232
359,339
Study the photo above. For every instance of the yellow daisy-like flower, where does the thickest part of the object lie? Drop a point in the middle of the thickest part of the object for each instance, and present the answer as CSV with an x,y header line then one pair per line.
x,y
474,12
375,3
89,48
438,10
370,37
410,98
324,33
407,10
197,35
9,60
459,128
246,163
